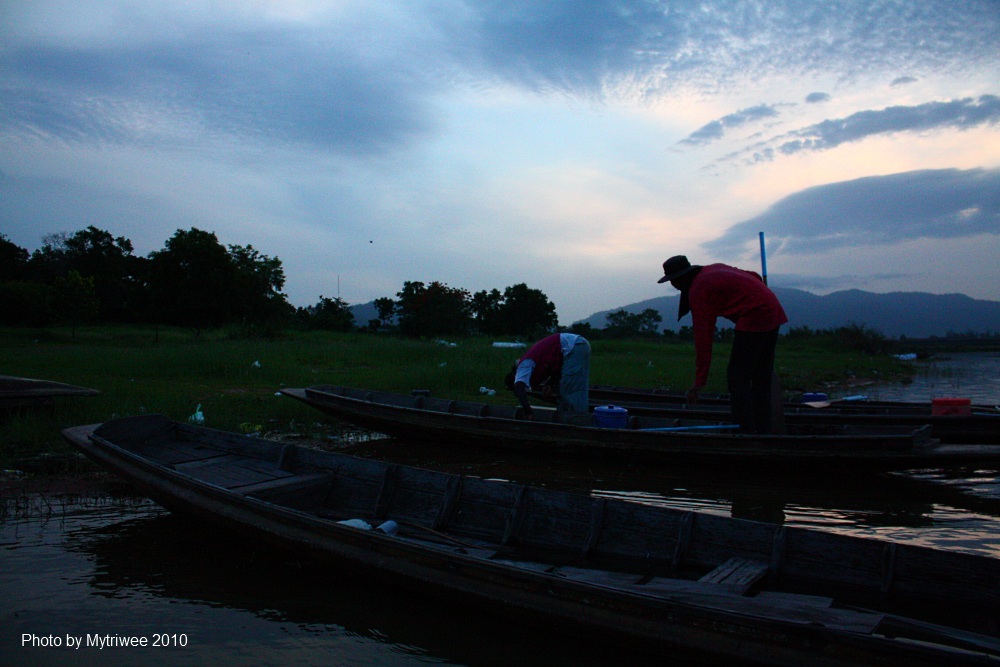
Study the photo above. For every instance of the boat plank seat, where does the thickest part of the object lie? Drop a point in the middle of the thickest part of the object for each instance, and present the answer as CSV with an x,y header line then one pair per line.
x,y
285,484
634,583
452,547
231,471
739,572
470,409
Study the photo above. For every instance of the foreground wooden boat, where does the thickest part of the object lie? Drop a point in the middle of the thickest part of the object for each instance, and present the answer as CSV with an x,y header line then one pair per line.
x,y
469,424
18,391
613,393
981,426
651,578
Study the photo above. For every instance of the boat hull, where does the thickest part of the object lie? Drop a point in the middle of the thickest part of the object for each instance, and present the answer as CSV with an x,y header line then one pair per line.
x,y
469,424
482,543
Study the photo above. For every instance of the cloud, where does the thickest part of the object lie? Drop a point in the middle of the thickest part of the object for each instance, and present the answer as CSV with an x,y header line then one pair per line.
x,y
716,128
655,48
876,211
815,98
902,81
960,114
232,81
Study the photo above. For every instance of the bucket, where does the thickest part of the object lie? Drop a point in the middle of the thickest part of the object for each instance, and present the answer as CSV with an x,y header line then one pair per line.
x,y
814,397
951,406
610,416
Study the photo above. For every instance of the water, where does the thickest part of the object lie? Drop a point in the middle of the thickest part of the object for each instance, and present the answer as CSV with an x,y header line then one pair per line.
x,y
103,562
973,375
87,567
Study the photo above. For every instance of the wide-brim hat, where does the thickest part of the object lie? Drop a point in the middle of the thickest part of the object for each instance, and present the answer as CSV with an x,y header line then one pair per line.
x,y
674,268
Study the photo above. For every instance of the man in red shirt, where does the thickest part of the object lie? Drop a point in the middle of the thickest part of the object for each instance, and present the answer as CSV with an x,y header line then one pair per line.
x,y
708,292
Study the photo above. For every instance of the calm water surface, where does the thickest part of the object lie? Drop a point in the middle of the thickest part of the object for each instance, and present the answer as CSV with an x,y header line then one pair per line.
x,y
108,563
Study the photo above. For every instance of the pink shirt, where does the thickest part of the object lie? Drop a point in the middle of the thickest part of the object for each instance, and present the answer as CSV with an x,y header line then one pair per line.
x,y
544,359
737,295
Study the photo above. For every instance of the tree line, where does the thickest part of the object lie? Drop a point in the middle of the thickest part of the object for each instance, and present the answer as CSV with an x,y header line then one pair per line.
x,y
92,276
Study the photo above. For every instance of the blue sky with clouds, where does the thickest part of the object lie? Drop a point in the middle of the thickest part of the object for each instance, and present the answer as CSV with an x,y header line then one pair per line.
x,y
570,145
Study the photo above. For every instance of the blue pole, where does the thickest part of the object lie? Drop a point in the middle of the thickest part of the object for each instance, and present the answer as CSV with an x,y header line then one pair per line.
x,y
763,259
704,427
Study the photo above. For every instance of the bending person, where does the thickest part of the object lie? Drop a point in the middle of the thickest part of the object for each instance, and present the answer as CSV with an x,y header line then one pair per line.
x,y
556,365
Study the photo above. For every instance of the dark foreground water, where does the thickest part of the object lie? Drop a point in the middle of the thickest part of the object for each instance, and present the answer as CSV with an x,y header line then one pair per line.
x,y
91,567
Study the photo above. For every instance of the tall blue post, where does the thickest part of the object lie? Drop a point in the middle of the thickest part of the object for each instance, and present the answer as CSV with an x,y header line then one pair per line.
x,y
763,259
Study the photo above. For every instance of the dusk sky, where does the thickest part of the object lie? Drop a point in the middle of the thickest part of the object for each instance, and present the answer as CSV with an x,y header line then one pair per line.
x,y
569,145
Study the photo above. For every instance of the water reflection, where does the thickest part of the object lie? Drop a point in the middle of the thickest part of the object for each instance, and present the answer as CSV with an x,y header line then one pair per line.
x,y
921,507
973,375
98,566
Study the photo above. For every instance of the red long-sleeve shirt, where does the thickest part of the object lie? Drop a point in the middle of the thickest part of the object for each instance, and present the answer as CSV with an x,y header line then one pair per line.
x,y
739,296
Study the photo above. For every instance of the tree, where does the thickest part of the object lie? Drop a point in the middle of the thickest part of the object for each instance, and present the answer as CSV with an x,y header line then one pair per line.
x,y
386,308
486,307
623,324
518,311
76,299
119,276
13,260
26,303
258,299
433,310
526,311
328,314
193,281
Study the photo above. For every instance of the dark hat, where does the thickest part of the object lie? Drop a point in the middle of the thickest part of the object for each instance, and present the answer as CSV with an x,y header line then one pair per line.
x,y
674,268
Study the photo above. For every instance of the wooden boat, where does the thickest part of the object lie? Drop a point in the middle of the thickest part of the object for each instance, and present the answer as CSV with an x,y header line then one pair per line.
x,y
618,394
18,391
982,426
469,424
650,578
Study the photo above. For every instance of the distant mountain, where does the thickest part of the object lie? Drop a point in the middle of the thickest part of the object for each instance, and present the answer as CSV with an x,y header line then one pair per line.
x,y
910,314
364,313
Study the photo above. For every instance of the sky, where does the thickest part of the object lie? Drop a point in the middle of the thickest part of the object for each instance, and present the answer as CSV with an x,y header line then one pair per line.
x,y
572,145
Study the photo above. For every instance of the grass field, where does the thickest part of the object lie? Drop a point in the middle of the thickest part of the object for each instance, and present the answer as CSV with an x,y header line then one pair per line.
x,y
235,380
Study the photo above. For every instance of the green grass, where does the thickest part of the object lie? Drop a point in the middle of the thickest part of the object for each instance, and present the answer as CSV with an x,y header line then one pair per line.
x,y
143,370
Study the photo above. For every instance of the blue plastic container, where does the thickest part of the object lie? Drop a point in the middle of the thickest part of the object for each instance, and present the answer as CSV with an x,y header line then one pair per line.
x,y
814,397
610,416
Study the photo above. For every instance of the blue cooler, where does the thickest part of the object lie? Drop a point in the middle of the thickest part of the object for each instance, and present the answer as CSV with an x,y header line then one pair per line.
x,y
610,416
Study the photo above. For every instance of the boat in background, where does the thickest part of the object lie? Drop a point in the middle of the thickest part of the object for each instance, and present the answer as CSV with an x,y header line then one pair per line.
x,y
965,423
639,438
656,579
16,392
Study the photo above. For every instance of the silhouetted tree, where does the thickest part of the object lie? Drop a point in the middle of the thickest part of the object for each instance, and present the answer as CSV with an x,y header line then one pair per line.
x,y
76,300
328,314
433,310
385,307
526,311
26,303
13,260
486,307
518,311
258,300
119,277
623,324
193,281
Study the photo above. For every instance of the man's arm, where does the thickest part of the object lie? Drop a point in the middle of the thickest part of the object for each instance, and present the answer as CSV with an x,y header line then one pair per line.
x,y
521,391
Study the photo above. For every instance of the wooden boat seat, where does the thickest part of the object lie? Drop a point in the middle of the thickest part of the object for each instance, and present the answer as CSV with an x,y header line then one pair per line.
x,y
738,572
470,409
292,483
